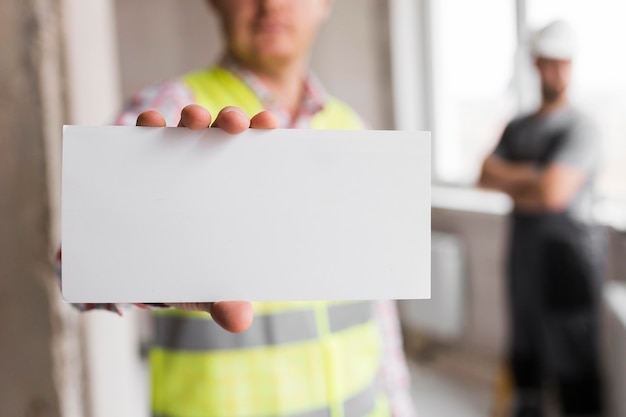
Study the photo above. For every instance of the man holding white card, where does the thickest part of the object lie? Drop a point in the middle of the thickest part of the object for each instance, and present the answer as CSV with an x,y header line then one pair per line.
x,y
297,358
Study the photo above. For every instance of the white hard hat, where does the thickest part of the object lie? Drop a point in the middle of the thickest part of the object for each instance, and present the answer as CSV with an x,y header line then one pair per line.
x,y
555,41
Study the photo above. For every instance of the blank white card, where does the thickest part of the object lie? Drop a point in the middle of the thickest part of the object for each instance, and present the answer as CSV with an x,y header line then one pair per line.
x,y
174,215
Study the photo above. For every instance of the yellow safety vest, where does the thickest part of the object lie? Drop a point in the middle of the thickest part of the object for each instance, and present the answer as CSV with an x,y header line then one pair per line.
x,y
304,359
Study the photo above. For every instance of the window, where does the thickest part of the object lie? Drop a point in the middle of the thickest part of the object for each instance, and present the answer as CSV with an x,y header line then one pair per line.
x,y
473,47
481,76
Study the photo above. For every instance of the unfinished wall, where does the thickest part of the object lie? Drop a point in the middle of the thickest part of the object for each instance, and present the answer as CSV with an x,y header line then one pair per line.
x,y
485,240
36,373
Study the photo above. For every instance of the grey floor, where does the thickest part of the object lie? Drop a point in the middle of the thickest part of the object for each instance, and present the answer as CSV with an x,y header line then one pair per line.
x,y
440,392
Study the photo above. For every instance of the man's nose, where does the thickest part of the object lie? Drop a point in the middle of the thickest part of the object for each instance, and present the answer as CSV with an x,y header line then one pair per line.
x,y
269,5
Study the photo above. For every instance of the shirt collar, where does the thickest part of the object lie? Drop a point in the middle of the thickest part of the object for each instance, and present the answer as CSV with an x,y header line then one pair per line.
x,y
315,95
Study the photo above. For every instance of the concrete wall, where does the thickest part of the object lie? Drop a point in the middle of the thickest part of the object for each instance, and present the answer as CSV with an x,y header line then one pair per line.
x,y
484,238
37,374
613,348
161,39
352,57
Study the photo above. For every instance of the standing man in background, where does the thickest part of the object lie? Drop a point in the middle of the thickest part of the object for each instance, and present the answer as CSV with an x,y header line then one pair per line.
x,y
546,162
326,359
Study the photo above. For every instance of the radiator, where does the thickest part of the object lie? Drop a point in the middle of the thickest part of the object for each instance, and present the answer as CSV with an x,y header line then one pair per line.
x,y
442,315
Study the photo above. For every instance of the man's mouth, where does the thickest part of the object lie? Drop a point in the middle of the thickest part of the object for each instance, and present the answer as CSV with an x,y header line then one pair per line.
x,y
269,26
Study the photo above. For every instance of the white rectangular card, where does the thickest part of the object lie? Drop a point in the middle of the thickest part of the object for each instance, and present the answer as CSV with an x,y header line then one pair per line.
x,y
174,215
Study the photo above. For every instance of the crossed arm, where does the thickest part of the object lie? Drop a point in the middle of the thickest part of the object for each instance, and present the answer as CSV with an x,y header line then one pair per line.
x,y
533,190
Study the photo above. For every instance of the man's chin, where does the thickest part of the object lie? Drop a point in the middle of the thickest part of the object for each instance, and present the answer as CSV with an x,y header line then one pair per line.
x,y
273,57
551,95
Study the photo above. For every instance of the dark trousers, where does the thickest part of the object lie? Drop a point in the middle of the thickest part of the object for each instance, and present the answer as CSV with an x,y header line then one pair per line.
x,y
553,294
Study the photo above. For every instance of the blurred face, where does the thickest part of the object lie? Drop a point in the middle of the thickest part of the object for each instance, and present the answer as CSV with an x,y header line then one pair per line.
x,y
267,34
555,77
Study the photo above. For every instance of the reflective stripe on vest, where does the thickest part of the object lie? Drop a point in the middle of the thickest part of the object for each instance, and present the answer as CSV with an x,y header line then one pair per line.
x,y
304,359
201,333
361,404
268,380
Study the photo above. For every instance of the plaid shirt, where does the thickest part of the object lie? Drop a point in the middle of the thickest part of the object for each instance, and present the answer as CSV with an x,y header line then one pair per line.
x,y
169,98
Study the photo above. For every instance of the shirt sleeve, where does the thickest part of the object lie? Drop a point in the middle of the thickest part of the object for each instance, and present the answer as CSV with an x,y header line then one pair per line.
x,y
168,98
580,147
394,378
502,149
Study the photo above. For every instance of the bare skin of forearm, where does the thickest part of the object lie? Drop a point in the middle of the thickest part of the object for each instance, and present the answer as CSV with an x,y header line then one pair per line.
x,y
552,191
506,176
528,199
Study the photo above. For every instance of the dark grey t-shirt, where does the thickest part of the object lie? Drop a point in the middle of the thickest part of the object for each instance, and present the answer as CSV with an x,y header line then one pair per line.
x,y
566,137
